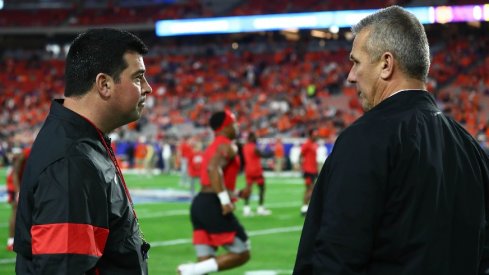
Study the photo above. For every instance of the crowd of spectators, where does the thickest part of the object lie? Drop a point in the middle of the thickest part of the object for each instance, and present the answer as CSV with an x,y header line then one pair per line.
x,y
277,87
96,13
89,13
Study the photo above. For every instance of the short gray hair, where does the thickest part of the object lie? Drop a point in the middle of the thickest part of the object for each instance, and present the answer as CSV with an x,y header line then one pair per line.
x,y
399,32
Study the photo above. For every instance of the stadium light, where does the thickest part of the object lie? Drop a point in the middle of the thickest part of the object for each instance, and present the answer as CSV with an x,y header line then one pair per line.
x,y
311,20
334,29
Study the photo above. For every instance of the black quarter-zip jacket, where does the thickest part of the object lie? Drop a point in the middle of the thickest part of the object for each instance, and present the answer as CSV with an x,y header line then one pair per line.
x,y
404,191
74,216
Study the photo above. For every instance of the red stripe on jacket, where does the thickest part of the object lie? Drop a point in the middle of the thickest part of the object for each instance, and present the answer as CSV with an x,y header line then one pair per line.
x,y
68,238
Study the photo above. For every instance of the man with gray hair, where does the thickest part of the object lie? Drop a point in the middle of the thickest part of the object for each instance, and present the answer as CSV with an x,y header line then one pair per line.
x,y
405,189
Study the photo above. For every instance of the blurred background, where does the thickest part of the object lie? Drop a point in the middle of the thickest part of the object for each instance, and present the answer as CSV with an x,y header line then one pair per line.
x,y
281,77
280,83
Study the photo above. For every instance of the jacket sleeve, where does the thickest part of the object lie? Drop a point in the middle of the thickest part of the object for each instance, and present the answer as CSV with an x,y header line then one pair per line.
x,y
346,205
70,217
484,261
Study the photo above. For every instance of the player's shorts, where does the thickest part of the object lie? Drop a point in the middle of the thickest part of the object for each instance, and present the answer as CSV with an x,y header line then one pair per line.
x,y
237,247
11,196
260,180
212,229
309,178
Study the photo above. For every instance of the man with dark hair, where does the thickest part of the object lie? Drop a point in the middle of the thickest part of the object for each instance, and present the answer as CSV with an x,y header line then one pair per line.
x,y
308,160
211,212
405,189
75,214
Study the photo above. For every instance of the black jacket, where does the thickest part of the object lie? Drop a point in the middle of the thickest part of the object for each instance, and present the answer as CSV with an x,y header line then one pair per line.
x,y
74,216
404,192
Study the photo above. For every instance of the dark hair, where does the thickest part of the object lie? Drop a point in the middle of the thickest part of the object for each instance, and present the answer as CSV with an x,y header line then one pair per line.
x,y
217,119
311,133
98,51
251,137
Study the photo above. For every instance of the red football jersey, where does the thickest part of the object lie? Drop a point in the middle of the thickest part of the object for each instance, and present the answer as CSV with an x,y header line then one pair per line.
x,y
308,153
10,172
195,164
231,169
185,150
253,166
10,180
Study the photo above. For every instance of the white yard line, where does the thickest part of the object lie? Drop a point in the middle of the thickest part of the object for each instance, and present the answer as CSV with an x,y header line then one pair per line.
x,y
183,212
169,213
269,231
7,261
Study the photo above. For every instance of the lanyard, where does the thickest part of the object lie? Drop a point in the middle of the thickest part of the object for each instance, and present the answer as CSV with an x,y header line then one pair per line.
x,y
118,170
145,246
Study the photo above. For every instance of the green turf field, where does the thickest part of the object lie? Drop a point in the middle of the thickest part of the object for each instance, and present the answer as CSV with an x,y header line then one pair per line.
x,y
166,225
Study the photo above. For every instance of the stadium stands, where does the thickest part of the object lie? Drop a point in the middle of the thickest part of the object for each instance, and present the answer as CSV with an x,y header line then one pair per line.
x,y
277,87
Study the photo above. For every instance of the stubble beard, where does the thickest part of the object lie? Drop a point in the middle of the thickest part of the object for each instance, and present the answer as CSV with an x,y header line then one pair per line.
x,y
366,106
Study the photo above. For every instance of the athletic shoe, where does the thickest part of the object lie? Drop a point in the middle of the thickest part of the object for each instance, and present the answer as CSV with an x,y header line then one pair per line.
x,y
262,211
247,211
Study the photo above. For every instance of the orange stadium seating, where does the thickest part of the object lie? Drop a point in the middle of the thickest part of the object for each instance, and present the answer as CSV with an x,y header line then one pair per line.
x,y
264,80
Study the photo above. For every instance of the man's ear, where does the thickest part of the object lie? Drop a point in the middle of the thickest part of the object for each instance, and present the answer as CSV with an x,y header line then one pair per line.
x,y
103,84
387,70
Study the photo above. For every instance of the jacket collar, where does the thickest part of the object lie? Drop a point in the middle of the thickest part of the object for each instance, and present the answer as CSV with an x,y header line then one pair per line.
x,y
74,119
